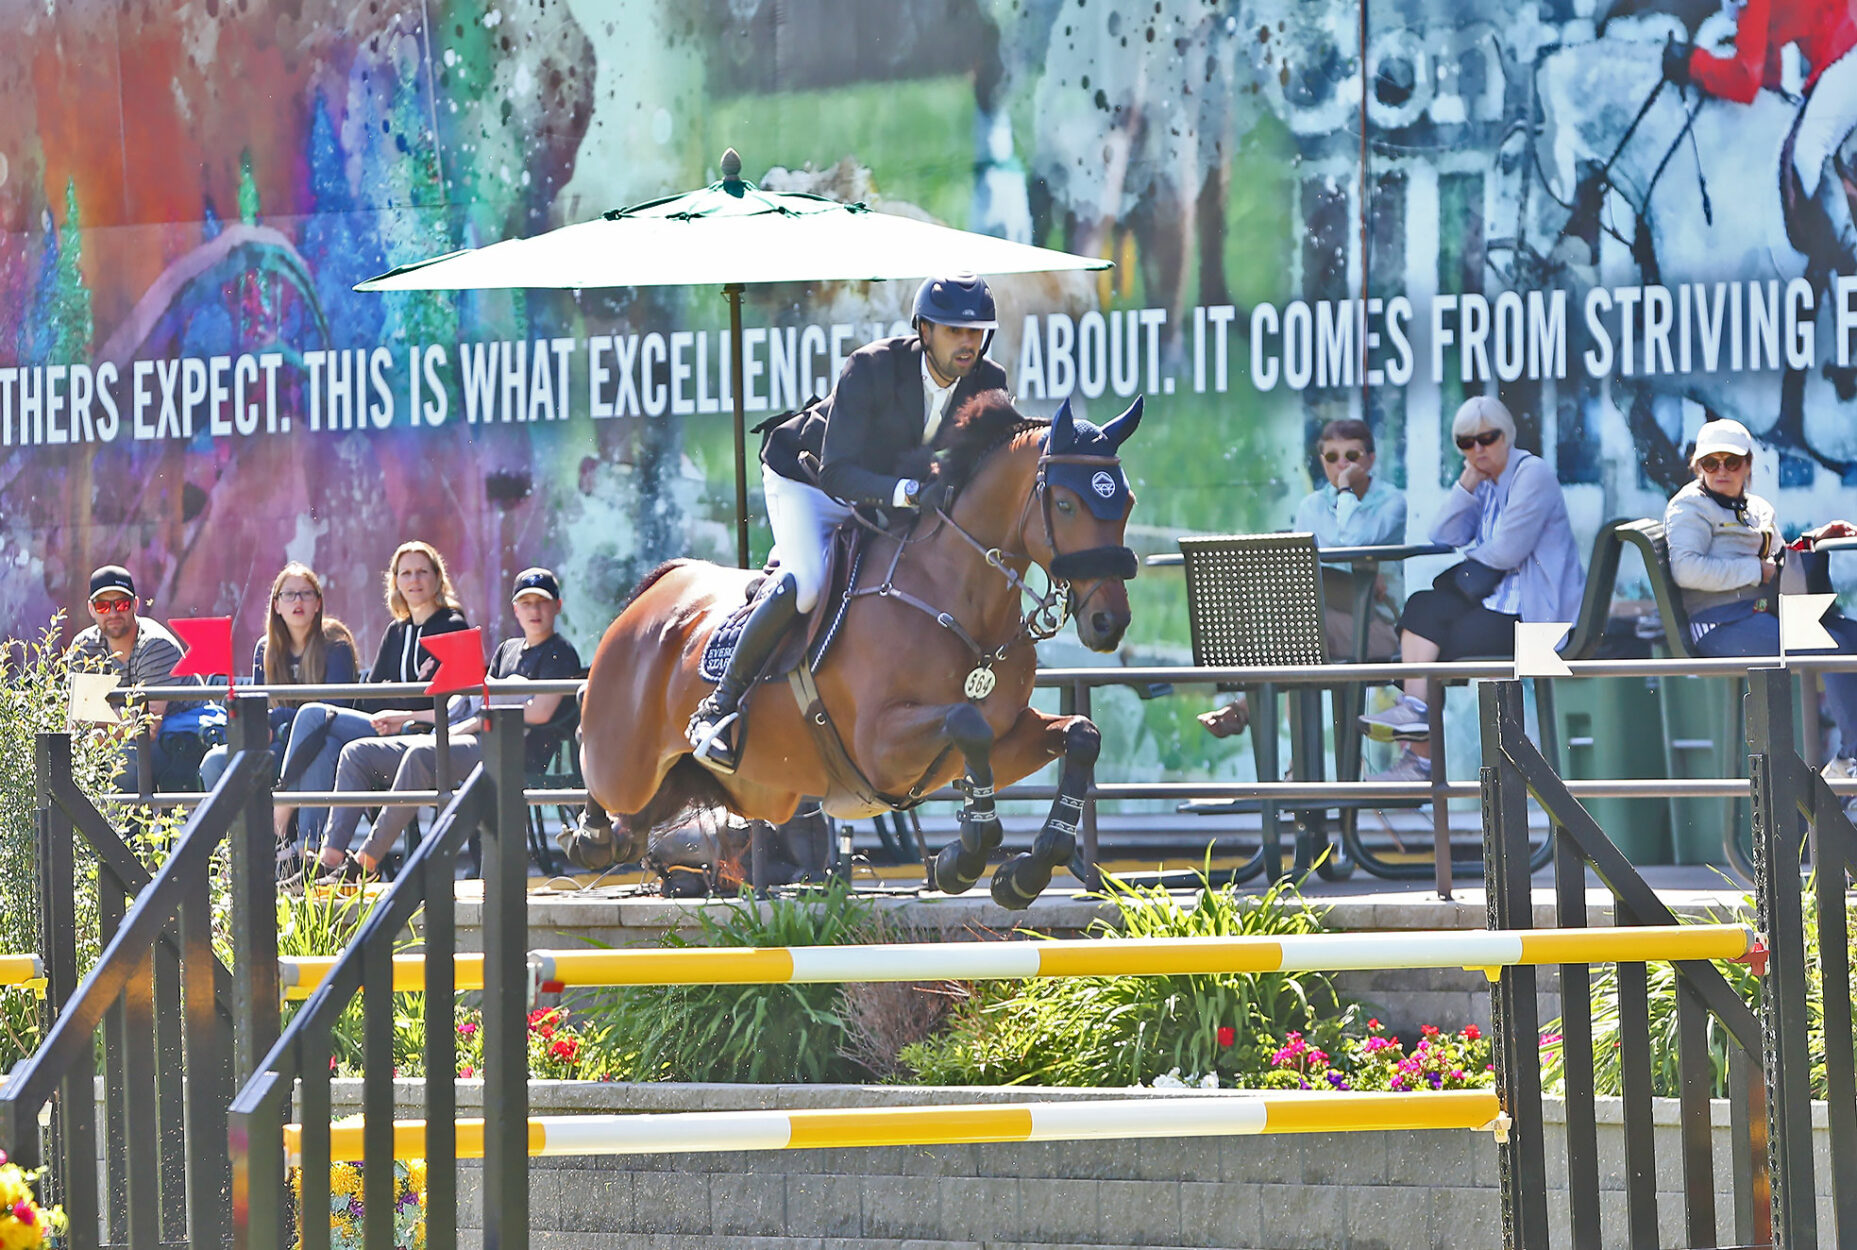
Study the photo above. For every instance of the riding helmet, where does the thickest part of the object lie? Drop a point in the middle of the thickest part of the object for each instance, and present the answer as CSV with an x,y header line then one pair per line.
x,y
956,299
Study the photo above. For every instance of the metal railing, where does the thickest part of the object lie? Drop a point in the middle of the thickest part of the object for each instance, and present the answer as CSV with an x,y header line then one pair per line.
x,y
491,802
1793,806
178,1027
1514,770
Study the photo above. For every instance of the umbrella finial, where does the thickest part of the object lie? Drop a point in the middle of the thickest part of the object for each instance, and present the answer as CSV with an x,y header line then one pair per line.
x,y
731,166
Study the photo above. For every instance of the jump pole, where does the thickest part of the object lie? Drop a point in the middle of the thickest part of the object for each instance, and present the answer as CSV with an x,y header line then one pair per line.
x,y
1204,1115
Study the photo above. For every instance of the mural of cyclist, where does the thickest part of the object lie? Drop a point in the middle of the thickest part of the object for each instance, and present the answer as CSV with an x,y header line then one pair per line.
x,y
1824,32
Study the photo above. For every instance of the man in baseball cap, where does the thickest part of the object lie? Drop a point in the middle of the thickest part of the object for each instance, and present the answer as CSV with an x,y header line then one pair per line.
x,y
141,652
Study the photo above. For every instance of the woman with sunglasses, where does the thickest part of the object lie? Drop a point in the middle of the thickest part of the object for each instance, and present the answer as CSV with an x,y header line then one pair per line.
x,y
1508,517
1353,508
423,604
301,647
1725,549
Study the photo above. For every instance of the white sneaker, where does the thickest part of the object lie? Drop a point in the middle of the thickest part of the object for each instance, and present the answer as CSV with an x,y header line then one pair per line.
x,y
1408,767
1403,722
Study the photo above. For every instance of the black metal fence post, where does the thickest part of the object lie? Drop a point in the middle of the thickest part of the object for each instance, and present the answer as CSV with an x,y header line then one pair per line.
x,y
252,847
506,998
1522,1160
1782,919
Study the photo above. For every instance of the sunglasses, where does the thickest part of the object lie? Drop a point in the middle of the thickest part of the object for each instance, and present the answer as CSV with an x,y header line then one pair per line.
x,y
1353,454
1486,439
104,607
297,596
1715,464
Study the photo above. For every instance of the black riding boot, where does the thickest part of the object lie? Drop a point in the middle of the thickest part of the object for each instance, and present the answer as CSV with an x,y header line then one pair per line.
x,y
712,728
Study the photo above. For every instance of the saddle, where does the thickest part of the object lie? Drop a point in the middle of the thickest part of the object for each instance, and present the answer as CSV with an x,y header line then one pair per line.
x,y
811,636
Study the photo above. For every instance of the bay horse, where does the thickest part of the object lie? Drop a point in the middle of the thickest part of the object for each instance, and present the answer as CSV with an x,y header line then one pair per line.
x,y
929,673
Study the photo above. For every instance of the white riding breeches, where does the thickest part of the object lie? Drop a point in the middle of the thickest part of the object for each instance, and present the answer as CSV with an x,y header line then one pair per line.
x,y
1829,114
802,518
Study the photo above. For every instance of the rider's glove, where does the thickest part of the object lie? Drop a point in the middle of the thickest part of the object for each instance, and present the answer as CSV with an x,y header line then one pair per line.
x,y
1676,61
933,496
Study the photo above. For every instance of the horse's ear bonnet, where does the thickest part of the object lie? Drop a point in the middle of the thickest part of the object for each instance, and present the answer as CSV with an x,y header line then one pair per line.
x,y
1103,487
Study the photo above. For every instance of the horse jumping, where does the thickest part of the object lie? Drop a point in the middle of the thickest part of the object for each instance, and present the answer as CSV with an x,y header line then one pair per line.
x,y
929,673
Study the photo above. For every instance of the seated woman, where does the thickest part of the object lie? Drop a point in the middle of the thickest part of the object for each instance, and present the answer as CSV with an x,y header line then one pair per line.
x,y
301,647
1724,554
1507,515
424,604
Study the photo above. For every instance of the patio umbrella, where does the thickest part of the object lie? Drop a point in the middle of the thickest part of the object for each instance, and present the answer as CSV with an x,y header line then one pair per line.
x,y
729,233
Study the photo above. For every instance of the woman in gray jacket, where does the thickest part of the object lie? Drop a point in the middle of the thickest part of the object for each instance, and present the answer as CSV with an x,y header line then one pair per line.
x,y
1508,516
1724,554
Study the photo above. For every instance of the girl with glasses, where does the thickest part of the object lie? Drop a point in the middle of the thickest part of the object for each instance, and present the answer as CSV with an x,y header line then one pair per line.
x,y
1725,547
301,647
1508,518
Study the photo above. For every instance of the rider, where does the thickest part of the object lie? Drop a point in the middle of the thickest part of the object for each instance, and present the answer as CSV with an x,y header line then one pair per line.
x,y
854,447
1824,31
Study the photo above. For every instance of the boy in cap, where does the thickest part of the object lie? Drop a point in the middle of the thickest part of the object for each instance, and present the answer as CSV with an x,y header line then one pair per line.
x,y
141,652
410,762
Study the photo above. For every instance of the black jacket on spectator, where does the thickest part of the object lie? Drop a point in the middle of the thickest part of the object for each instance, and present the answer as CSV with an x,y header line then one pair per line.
x,y
401,657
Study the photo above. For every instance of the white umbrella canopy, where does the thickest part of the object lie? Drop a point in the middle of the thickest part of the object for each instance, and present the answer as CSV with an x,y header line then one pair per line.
x,y
729,233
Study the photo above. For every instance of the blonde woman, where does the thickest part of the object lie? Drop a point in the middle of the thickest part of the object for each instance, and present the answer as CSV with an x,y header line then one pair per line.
x,y
423,604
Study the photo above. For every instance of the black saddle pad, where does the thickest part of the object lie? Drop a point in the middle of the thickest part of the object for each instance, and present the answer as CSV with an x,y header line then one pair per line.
x,y
721,646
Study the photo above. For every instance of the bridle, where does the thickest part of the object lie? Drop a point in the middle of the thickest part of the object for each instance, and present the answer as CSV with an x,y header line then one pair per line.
x,y
1048,613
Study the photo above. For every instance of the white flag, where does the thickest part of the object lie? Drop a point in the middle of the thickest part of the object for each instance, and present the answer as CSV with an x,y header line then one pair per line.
x,y
89,704
1799,623
1534,649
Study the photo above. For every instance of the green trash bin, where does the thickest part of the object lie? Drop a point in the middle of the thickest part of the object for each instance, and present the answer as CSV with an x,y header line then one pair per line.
x,y
1703,738
1610,729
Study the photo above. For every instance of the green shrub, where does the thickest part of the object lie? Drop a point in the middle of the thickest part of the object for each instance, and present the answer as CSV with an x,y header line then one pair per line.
x,y
754,1033
1119,1031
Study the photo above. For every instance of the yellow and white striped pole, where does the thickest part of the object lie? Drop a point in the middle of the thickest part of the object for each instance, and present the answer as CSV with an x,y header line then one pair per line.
x,y
991,961
981,961
1209,1115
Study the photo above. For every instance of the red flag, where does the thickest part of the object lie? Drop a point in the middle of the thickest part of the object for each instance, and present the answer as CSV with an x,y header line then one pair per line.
x,y
460,659
209,646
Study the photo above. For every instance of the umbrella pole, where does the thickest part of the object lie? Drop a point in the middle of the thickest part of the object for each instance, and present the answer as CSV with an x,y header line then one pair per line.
x,y
733,294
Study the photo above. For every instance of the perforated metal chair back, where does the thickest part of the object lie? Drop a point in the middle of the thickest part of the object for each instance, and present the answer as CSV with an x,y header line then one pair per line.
x,y
1254,599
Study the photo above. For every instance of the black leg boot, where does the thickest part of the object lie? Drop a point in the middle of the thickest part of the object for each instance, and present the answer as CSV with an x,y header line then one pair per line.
x,y
712,728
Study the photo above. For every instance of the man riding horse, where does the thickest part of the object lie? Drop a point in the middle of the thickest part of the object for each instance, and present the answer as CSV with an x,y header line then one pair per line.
x,y
855,447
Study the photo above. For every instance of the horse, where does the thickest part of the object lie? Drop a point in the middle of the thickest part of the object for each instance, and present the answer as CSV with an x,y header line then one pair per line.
x,y
929,670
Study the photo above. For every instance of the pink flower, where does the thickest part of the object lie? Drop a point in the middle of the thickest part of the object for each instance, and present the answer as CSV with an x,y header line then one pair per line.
x,y
22,1211
468,1027
467,1072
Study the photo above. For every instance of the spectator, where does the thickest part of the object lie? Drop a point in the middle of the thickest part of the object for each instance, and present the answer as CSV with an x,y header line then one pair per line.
x,y
141,652
1725,552
301,647
1508,516
1353,509
424,604
409,761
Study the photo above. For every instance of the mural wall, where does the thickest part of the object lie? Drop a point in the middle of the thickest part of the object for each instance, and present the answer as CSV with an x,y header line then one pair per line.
x,y
1317,208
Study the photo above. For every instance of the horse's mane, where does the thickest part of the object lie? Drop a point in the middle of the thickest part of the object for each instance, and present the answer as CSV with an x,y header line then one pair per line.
x,y
650,579
978,429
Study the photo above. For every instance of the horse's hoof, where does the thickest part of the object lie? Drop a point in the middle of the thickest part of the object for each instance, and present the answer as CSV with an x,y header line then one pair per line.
x,y
592,848
956,870
1018,881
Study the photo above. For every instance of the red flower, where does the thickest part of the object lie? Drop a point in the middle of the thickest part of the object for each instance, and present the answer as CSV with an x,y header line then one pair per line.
x,y
1472,1033
1228,1036
22,1211
1428,1030
467,1072
1373,1025
565,1048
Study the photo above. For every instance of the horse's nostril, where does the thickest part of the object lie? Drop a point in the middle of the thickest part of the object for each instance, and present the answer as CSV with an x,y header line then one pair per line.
x,y
1102,622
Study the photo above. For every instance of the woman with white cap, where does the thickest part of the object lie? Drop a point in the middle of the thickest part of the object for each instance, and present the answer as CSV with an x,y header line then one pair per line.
x,y
1509,519
1725,550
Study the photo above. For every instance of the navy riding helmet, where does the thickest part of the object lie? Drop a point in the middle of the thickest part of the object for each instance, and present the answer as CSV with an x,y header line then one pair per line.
x,y
956,299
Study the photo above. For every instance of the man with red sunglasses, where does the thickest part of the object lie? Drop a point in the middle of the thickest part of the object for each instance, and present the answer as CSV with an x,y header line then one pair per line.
x,y
142,652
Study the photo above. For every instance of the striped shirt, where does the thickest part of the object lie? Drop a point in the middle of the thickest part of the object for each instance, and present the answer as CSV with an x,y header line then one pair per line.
x,y
151,660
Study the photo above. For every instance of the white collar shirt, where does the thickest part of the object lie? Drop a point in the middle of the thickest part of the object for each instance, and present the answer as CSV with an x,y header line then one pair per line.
x,y
935,401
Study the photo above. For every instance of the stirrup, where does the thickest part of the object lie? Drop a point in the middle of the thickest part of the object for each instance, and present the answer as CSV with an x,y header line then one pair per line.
x,y
709,744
